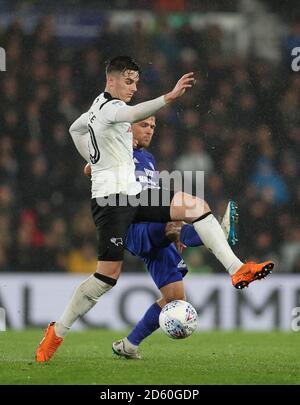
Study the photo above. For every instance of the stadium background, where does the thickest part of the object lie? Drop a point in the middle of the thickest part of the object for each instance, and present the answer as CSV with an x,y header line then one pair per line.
x,y
240,124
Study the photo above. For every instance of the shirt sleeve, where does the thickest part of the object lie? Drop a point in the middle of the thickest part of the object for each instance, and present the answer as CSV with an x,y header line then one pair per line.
x,y
110,109
116,111
80,135
82,145
79,127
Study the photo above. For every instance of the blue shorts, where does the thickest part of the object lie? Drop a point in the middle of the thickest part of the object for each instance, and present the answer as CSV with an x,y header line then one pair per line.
x,y
147,241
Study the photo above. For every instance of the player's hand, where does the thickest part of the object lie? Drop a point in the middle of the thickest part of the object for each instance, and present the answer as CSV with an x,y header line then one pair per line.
x,y
180,246
172,230
87,170
185,82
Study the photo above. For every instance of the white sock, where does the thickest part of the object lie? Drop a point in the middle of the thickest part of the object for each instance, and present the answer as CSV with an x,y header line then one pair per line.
x,y
213,237
84,298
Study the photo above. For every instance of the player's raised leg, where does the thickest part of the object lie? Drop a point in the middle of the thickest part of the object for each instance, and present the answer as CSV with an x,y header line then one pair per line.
x,y
195,210
190,238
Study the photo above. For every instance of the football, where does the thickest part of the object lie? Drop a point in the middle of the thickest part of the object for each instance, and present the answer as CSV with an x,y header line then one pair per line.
x,y
178,319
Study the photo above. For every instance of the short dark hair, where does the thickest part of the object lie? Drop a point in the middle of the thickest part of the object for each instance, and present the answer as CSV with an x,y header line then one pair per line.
x,y
122,63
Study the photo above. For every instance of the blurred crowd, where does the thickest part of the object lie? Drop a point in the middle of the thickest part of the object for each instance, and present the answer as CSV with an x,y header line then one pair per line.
x,y
240,125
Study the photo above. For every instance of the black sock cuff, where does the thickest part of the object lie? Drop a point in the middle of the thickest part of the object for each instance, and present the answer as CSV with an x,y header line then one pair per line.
x,y
202,217
106,279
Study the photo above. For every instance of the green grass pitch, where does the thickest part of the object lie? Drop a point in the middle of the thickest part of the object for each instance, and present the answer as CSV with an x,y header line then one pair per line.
x,y
203,358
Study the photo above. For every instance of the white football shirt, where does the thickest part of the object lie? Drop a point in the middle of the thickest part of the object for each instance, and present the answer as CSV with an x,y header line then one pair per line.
x,y
108,143
110,148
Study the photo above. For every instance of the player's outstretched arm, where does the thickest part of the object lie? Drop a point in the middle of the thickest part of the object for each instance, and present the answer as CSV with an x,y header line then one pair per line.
x,y
143,110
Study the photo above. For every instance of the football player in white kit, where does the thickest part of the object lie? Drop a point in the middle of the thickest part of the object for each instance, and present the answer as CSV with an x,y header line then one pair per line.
x,y
105,130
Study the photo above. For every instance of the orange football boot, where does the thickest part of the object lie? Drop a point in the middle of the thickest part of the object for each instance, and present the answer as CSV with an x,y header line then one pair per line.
x,y
48,345
250,272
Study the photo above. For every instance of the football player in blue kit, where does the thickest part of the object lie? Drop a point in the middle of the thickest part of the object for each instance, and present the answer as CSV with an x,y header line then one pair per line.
x,y
152,242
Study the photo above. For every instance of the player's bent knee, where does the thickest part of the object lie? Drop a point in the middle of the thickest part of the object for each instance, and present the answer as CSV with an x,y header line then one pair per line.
x,y
173,297
187,207
173,291
109,268
202,205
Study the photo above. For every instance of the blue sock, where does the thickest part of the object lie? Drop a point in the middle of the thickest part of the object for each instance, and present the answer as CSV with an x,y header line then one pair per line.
x,y
147,325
